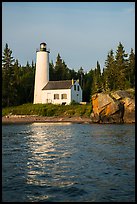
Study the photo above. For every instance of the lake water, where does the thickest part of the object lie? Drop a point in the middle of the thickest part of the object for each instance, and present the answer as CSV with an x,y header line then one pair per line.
x,y
48,162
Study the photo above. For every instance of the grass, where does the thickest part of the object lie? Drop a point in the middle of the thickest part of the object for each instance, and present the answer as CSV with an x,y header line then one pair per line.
x,y
49,110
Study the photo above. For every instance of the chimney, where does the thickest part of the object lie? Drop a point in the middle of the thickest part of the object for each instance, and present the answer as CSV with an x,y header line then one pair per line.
x,y
72,81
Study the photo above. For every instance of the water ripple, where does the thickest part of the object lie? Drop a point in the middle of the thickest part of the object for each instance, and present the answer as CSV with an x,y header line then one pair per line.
x,y
68,162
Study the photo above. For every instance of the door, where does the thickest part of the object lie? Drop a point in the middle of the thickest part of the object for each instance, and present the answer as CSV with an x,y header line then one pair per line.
x,y
49,98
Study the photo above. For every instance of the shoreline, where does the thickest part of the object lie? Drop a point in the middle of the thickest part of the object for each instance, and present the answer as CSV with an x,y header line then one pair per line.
x,y
42,119
23,119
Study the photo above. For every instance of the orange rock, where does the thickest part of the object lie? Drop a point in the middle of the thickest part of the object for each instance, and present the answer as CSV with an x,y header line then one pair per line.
x,y
117,106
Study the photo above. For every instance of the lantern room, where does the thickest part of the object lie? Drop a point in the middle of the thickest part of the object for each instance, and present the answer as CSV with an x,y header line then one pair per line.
x,y
43,47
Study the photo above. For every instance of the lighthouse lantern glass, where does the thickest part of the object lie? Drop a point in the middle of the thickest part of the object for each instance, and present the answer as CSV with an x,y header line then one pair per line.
x,y
43,47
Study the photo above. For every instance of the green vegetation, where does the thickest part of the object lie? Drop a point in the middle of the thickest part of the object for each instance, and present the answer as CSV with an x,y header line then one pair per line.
x,y
18,81
49,110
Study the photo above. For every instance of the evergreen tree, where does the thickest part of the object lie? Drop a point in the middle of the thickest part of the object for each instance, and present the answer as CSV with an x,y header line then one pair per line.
x,y
58,68
28,65
65,71
81,76
27,83
8,78
87,85
16,68
110,73
61,71
17,77
73,74
120,67
97,80
51,71
130,73
94,83
104,80
98,76
33,65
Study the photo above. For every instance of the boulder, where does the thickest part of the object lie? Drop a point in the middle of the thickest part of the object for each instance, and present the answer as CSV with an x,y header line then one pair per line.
x,y
129,110
115,107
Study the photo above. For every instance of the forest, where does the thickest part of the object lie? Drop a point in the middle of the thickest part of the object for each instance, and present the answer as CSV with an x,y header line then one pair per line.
x,y
18,81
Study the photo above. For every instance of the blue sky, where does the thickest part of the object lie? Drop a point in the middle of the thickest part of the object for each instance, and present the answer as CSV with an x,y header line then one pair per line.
x,y
81,32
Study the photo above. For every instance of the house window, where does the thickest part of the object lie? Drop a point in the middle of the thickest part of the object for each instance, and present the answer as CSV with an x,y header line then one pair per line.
x,y
74,87
63,96
56,96
78,88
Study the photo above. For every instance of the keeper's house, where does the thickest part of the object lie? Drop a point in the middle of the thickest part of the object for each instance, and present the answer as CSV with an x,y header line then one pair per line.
x,y
62,92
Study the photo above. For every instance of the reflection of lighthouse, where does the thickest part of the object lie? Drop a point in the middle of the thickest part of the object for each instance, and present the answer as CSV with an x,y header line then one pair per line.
x,y
41,73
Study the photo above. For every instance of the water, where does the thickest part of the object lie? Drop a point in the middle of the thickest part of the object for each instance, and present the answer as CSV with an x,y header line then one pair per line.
x,y
48,162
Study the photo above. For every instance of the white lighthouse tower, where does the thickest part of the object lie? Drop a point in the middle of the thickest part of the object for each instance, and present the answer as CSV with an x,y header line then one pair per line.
x,y
41,73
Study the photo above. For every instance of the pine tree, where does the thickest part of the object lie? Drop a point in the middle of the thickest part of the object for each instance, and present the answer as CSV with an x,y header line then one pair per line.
x,y
17,84
98,76
87,86
130,74
97,80
8,78
81,76
73,74
51,71
27,83
94,83
110,72
33,65
16,68
120,67
58,68
61,71
105,81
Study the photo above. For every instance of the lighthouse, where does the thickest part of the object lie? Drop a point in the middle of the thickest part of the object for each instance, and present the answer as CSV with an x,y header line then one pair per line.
x,y
42,72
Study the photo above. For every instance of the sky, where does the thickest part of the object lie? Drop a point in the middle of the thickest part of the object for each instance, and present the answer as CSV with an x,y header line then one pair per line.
x,y
81,32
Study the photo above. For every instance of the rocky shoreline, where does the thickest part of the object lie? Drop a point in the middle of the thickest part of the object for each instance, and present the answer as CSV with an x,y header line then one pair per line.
x,y
42,119
18,119
113,107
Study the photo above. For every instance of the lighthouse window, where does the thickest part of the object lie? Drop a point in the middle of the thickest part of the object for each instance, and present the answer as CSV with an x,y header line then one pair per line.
x,y
74,87
78,88
63,96
56,96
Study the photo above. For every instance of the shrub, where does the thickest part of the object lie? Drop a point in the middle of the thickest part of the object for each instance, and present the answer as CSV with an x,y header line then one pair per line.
x,y
49,110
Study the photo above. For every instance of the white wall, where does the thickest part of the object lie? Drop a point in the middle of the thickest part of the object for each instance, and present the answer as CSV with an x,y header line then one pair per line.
x,y
48,95
41,75
75,94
